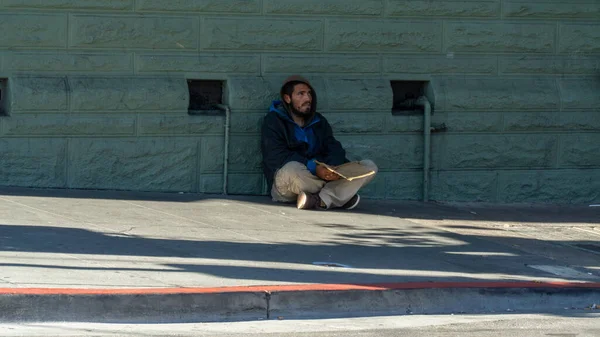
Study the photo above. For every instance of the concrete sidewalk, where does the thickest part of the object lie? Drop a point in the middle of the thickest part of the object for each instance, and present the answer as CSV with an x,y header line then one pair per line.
x,y
115,240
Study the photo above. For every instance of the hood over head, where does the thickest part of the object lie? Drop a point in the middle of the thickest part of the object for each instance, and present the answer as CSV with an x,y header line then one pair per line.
x,y
297,78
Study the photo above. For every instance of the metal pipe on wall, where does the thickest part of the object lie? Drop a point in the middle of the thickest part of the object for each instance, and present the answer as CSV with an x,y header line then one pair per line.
x,y
424,102
226,145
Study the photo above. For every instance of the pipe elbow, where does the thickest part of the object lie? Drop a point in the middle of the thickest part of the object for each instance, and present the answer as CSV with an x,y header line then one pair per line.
x,y
423,101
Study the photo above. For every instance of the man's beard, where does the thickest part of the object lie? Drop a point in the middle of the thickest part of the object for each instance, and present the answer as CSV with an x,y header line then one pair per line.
x,y
299,113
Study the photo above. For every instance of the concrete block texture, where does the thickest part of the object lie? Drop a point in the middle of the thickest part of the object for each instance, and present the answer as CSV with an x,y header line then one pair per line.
x,y
400,185
28,93
447,64
203,63
262,34
170,124
549,121
586,121
247,122
477,186
200,6
498,151
472,121
144,164
128,94
495,94
491,37
531,121
140,32
573,64
59,62
405,153
253,93
580,94
579,150
550,186
452,8
587,9
579,38
245,184
326,7
245,154
70,4
33,30
211,184
388,36
212,151
356,122
331,63
404,123
33,162
68,125
359,94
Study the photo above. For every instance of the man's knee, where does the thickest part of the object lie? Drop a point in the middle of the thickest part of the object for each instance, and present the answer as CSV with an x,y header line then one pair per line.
x,y
295,177
293,168
369,164
291,173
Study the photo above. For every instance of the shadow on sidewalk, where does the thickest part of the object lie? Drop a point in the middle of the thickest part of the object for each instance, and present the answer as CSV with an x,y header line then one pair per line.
x,y
378,255
382,247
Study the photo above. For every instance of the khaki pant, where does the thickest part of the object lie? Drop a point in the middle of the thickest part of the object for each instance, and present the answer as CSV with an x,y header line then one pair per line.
x,y
294,178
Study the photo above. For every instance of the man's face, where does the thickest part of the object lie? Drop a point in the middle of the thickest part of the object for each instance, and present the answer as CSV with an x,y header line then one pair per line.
x,y
301,100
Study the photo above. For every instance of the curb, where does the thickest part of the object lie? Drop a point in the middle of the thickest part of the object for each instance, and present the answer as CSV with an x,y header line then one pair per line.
x,y
176,305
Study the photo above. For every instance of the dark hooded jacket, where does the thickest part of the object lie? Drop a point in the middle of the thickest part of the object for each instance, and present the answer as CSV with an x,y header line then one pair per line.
x,y
284,141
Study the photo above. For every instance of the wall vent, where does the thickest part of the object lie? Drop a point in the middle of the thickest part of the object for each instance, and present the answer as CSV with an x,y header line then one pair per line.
x,y
204,96
3,97
405,95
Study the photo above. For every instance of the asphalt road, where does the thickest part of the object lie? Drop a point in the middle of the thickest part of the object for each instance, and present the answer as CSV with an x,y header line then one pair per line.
x,y
575,324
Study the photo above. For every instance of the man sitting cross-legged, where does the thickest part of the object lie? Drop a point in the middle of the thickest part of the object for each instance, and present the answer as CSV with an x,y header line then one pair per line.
x,y
294,138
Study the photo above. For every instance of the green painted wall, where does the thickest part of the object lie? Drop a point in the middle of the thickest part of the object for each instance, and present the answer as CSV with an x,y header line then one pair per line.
x,y
97,94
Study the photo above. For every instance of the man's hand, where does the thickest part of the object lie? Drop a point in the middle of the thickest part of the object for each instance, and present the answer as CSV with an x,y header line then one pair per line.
x,y
325,174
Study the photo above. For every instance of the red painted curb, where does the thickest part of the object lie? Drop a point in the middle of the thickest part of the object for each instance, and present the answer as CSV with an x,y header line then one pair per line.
x,y
298,288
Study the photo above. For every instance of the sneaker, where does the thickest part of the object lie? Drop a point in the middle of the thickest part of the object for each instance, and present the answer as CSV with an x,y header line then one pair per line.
x,y
308,201
352,203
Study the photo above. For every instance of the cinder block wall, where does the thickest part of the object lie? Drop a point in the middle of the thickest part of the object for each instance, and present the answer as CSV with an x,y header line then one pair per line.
x,y
97,95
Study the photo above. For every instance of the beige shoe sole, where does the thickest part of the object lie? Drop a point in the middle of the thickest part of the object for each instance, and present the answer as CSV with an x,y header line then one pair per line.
x,y
302,199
